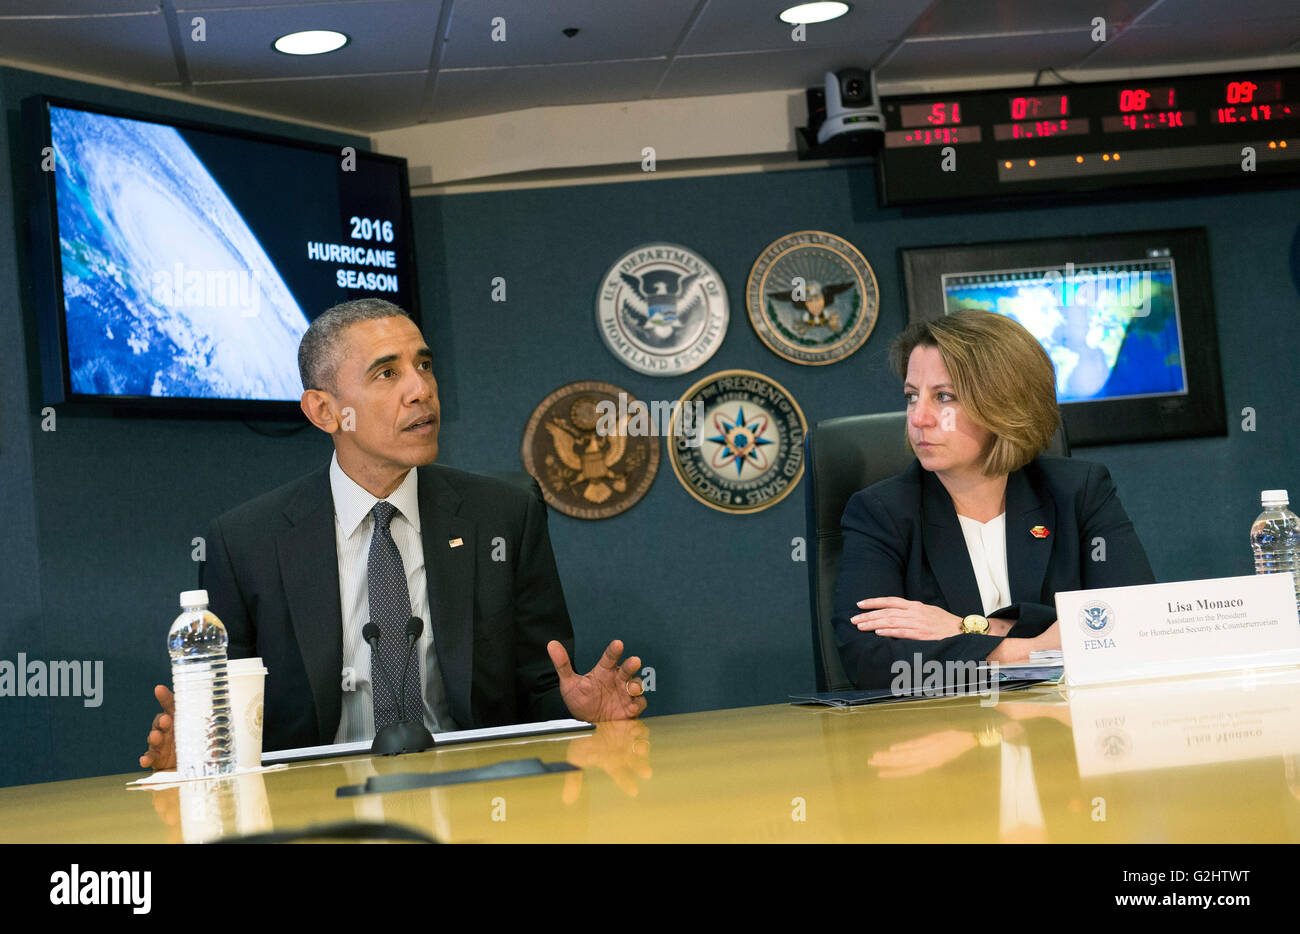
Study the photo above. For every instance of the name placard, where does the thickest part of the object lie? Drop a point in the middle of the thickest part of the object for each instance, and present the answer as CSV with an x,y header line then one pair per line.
x,y
1186,627
1186,721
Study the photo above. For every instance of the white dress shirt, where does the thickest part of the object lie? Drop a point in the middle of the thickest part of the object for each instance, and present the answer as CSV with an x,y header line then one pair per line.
x,y
987,544
354,524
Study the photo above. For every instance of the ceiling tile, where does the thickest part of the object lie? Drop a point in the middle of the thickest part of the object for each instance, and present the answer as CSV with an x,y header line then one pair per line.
x,y
367,103
75,7
945,58
1192,42
1193,12
746,25
125,48
200,6
386,37
762,71
492,90
1000,17
625,50
534,31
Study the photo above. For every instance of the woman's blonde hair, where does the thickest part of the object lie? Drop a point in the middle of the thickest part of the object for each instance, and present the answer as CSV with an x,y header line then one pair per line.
x,y
1003,379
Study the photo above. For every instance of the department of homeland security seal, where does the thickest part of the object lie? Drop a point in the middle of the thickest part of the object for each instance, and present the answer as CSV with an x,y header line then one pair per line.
x,y
662,309
578,447
812,298
746,452
1096,618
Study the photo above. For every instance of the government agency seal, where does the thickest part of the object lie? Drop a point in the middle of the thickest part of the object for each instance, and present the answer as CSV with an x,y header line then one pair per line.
x,y
812,298
662,309
579,447
747,454
1096,618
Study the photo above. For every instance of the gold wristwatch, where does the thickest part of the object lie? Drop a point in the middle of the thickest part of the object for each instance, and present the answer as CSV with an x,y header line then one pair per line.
x,y
975,623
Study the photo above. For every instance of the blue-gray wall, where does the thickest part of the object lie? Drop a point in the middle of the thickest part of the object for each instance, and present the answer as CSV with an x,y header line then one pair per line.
x,y
100,513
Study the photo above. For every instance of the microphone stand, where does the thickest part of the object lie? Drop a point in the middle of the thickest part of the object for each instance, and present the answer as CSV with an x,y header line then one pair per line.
x,y
404,735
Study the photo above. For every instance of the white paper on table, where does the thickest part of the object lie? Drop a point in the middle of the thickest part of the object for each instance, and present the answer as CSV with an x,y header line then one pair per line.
x,y
159,779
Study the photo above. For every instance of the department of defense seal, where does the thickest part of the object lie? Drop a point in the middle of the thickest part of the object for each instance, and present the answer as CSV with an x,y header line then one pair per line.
x,y
812,298
747,454
578,446
662,309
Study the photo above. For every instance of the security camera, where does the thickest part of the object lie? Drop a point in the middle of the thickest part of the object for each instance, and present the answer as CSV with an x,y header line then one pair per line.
x,y
852,106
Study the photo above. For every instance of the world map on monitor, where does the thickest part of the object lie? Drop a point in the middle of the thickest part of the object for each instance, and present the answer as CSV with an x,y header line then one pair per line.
x,y
1112,330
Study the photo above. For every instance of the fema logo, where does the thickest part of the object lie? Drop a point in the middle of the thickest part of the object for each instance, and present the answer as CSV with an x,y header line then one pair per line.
x,y
1096,618
1114,743
748,453
662,309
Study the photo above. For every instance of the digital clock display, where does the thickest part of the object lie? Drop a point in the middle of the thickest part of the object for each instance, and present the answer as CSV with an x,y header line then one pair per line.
x,y
1149,120
1249,92
939,113
1257,113
1138,100
1031,108
1086,137
1249,101
932,136
1040,129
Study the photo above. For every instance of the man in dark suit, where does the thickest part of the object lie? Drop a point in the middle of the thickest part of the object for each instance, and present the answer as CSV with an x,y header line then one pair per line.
x,y
296,573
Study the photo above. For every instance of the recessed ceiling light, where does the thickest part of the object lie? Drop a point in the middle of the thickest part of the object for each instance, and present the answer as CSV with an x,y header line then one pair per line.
x,y
813,12
310,42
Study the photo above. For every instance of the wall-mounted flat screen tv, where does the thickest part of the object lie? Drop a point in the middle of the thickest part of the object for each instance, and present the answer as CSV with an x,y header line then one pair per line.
x,y
1126,319
176,266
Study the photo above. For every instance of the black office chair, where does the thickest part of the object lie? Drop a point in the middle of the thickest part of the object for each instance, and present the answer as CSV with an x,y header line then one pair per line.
x,y
842,456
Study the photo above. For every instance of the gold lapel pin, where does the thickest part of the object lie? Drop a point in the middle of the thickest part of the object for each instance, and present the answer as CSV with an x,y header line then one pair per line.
x,y
1039,531
455,542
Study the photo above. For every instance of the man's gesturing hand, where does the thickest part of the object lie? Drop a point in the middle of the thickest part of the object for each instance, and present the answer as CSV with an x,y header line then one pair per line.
x,y
608,692
162,738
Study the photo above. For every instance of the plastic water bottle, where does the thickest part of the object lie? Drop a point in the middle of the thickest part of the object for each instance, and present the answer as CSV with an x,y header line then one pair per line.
x,y
197,643
1275,538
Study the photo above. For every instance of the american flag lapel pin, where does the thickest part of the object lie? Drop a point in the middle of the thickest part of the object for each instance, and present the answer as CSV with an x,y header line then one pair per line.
x,y
1040,531
455,542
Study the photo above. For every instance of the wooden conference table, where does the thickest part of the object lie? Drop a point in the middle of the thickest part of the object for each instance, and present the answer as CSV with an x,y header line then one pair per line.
x,y
1191,760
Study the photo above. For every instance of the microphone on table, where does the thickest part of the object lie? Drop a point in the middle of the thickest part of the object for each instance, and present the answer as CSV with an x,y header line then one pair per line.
x,y
404,735
414,629
370,632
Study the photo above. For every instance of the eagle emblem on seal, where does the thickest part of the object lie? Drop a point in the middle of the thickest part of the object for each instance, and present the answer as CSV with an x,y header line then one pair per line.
x,y
587,462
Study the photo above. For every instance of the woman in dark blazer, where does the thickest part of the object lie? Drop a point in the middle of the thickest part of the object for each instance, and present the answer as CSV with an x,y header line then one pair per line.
x,y
960,556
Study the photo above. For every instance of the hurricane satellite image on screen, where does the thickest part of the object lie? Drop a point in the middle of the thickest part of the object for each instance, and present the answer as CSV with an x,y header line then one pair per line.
x,y
167,292
1111,329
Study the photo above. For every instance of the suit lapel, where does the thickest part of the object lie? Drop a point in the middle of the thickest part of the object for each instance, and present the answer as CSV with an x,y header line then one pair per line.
x,y
309,567
450,574
945,546
1027,556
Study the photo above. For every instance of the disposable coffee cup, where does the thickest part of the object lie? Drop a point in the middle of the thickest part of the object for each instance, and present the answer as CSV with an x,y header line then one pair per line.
x,y
247,680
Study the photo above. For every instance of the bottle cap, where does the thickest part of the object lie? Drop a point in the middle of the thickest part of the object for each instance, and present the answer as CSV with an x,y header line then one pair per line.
x,y
194,598
1273,498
